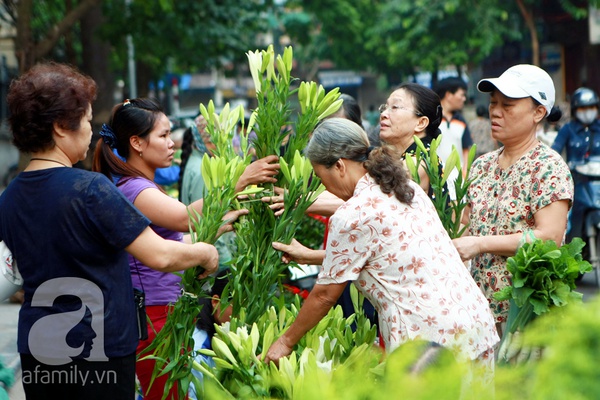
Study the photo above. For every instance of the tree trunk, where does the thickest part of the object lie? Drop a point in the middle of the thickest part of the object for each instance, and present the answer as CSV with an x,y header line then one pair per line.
x,y
23,44
27,52
96,63
23,41
535,43
70,54
434,75
144,77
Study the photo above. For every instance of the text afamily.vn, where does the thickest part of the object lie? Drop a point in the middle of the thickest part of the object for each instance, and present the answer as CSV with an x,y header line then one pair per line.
x,y
71,376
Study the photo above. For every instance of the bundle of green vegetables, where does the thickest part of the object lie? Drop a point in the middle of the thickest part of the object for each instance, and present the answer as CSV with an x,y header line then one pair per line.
x,y
543,277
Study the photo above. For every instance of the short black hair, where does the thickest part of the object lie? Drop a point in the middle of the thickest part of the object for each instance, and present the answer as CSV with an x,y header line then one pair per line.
x,y
482,111
451,84
351,109
48,93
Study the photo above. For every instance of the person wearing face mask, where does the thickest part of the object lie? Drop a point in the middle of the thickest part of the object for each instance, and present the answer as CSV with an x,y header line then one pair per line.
x,y
580,136
581,139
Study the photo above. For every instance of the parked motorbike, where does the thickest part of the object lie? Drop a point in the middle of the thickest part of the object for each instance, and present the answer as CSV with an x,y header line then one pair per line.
x,y
586,211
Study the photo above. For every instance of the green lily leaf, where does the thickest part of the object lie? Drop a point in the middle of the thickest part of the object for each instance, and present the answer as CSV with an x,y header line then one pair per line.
x,y
452,162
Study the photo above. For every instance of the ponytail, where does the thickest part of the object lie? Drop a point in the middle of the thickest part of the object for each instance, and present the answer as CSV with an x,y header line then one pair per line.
x,y
555,114
385,166
187,146
135,117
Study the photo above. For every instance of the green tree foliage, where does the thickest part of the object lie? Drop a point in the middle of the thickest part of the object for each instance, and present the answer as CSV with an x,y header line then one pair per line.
x,y
335,30
578,9
531,9
429,34
398,36
43,27
194,34
191,35
404,36
382,35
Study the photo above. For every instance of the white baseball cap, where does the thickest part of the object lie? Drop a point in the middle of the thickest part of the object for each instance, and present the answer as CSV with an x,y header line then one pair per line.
x,y
522,81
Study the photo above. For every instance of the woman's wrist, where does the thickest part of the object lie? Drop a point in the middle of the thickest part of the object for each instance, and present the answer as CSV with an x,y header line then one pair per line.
x,y
286,340
241,184
315,257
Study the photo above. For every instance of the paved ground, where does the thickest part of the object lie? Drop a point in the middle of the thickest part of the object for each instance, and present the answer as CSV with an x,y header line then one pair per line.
x,y
8,332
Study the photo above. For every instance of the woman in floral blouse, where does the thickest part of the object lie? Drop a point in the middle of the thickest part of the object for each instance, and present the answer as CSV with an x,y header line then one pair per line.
x,y
521,190
387,238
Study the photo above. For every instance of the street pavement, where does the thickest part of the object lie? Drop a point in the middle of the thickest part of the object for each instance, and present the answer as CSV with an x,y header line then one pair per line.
x,y
9,314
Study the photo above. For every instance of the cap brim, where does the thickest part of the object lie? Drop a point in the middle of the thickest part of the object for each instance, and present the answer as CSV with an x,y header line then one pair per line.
x,y
505,86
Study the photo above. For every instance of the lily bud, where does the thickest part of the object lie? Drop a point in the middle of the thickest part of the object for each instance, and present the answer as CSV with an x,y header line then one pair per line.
x,y
282,68
302,95
252,121
204,112
288,56
255,64
331,109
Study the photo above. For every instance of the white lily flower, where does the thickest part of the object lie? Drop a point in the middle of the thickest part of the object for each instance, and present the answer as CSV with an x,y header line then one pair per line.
x,y
242,332
321,349
255,64
225,327
325,366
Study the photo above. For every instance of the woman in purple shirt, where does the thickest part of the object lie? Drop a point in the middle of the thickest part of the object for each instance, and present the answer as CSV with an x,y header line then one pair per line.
x,y
140,132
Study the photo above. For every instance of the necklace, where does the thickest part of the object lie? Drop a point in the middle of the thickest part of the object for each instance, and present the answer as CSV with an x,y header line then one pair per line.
x,y
47,159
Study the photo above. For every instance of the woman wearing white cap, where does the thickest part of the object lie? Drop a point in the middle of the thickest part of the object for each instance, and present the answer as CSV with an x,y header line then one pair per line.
x,y
521,190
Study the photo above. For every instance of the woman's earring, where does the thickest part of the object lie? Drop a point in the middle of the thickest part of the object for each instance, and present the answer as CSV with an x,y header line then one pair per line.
x,y
140,154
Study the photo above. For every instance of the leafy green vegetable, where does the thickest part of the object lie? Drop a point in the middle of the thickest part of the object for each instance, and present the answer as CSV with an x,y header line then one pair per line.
x,y
543,276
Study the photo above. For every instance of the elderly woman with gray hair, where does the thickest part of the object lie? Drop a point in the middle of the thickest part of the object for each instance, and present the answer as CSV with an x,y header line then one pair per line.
x,y
387,238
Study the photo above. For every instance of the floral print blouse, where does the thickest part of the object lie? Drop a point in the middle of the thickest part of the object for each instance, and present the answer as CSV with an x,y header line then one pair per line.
x,y
504,202
401,258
